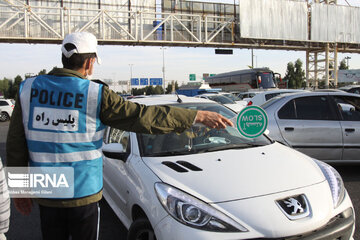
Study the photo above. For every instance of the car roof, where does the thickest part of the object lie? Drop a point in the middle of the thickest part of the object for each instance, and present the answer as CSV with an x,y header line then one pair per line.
x,y
349,87
312,93
281,91
212,94
328,90
167,99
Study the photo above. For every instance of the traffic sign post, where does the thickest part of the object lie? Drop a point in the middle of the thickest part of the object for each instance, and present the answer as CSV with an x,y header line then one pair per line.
x,y
252,121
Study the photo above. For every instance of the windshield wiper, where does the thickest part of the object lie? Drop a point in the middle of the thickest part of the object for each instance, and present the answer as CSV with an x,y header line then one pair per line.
x,y
226,147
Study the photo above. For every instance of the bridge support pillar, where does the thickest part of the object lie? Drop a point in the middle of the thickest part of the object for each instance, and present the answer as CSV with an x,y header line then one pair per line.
x,y
321,67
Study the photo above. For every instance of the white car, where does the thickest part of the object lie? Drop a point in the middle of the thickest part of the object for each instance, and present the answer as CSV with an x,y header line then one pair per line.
x,y
228,102
262,97
215,184
6,109
234,98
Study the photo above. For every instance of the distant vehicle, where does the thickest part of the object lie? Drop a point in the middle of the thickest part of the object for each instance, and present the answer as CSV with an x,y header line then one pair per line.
x,y
323,125
262,97
243,80
215,184
351,89
228,102
231,96
192,91
6,109
247,95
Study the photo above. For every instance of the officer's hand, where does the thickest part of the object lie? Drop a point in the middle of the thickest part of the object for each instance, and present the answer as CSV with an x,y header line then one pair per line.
x,y
23,205
212,119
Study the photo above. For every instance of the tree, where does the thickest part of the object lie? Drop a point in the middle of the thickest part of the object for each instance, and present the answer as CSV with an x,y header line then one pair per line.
x,y
295,75
14,87
42,72
149,90
299,75
290,75
158,90
170,87
4,87
343,65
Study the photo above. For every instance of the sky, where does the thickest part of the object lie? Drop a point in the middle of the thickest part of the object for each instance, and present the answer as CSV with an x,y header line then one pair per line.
x,y
147,62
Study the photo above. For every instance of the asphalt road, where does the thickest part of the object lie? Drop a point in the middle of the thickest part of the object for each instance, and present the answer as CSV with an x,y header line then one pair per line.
x,y
28,227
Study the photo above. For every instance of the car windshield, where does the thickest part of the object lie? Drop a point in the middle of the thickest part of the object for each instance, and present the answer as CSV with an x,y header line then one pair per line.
x,y
198,139
221,99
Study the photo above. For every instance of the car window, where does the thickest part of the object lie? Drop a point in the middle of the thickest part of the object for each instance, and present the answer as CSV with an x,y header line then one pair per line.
x,y
354,90
198,138
4,103
221,99
232,97
120,136
349,107
287,111
307,108
313,108
271,95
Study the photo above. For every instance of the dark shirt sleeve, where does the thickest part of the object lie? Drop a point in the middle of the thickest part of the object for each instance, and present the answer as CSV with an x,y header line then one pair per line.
x,y
16,147
129,116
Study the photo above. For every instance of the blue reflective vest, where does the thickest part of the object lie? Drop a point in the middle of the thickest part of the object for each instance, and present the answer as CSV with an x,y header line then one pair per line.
x,y
61,118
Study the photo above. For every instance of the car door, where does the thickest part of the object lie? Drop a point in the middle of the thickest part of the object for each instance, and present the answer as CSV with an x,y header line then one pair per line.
x,y
349,108
115,171
310,125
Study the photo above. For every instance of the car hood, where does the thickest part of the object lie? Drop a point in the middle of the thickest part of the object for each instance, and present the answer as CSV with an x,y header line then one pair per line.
x,y
237,174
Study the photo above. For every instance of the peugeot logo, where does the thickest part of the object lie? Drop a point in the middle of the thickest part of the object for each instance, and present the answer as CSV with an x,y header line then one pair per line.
x,y
293,203
294,207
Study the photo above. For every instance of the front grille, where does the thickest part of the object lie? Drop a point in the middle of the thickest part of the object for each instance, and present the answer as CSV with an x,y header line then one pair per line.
x,y
338,228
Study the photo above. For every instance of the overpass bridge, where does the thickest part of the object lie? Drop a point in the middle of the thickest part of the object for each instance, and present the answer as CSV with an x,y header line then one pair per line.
x,y
320,27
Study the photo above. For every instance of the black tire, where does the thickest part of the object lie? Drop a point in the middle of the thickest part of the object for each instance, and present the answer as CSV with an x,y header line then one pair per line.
x,y
141,229
4,117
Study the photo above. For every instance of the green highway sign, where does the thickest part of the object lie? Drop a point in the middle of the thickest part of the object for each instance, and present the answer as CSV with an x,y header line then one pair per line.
x,y
252,121
192,77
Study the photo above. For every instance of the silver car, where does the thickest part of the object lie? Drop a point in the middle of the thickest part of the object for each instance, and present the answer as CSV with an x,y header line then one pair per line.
x,y
323,125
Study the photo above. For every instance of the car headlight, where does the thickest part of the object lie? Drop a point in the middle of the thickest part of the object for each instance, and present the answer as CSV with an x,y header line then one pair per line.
x,y
335,182
193,212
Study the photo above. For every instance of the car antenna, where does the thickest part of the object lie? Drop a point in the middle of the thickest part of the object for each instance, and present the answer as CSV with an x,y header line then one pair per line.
x,y
178,98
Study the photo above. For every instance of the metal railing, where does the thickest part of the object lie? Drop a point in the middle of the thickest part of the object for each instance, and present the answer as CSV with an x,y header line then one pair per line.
x,y
53,23
42,24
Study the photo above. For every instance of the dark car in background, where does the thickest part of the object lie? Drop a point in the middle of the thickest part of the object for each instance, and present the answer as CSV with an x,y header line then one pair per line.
x,y
351,89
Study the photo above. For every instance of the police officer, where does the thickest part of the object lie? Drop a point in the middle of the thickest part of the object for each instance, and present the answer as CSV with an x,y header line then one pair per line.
x,y
58,121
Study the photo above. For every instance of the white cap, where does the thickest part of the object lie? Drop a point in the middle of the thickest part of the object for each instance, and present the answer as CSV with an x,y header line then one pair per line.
x,y
84,42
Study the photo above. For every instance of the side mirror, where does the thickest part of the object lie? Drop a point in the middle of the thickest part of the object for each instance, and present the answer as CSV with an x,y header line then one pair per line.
x,y
115,151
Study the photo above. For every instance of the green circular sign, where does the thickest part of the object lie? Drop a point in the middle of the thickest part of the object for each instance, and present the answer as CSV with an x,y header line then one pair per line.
x,y
252,121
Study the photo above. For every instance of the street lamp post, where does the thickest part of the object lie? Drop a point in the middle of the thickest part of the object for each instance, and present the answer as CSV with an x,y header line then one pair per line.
x,y
163,68
252,58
